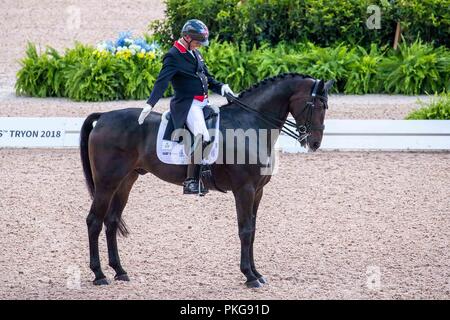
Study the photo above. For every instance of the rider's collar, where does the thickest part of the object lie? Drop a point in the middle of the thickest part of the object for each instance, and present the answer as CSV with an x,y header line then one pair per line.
x,y
177,44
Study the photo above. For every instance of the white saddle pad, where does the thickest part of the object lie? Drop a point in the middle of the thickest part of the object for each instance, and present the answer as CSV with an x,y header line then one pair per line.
x,y
172,152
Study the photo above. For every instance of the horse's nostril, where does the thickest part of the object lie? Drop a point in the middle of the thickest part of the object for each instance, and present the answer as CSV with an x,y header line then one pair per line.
x,y
316,145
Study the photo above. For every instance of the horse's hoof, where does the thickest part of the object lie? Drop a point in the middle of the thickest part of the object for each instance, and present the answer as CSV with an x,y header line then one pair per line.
x,y
122,277
253,284
100,282
262,280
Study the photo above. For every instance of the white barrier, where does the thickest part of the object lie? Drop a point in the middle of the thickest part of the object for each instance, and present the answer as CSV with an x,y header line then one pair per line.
x,y
58,132
386,135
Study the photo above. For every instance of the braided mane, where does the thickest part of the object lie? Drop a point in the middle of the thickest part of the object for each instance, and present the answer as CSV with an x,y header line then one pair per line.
x,y
270,80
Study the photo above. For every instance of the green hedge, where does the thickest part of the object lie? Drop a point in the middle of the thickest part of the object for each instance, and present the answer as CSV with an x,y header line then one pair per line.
x,y
86,74
437,109
323,22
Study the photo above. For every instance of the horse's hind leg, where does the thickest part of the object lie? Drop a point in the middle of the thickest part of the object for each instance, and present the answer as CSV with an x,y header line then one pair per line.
x,y
112,222
94,220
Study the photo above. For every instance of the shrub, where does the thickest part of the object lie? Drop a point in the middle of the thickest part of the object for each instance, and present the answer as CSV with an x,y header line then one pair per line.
x,y
230,63
330,63
437,109
414,69
268,61
323,22
362,77
125,69
40,75
96,78
428,19
140,74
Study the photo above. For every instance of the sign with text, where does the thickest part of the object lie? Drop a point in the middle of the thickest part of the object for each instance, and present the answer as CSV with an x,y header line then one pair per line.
x,y
38,132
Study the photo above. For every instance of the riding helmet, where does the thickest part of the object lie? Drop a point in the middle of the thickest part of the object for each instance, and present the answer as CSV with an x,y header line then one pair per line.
x,y
197,30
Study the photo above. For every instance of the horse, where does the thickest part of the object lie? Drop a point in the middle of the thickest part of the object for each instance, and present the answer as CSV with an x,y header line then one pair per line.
x,y
117,150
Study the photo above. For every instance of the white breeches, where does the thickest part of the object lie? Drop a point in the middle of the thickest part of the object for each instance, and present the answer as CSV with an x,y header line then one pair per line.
x,y
195,120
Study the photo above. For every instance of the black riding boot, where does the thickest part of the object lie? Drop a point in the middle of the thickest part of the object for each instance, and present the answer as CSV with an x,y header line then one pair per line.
x,y
192,183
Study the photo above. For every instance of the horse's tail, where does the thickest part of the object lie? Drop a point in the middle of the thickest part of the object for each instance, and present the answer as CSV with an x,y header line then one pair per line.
x,y
84,152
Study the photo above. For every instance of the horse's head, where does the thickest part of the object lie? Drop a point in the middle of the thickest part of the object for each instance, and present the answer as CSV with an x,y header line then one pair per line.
x,y
308,106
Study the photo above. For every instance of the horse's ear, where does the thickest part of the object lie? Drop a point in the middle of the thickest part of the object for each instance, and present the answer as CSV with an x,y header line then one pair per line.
x,y
328,85
321,86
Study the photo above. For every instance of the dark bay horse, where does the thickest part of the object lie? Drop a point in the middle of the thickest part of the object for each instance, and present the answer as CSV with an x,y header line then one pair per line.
x,y
117,150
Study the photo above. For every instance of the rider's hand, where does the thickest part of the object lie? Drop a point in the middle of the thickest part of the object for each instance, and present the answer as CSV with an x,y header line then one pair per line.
x,y
144,114
226,89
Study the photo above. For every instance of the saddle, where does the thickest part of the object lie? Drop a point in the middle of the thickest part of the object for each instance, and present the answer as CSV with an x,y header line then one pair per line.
x,y
171,148
210,115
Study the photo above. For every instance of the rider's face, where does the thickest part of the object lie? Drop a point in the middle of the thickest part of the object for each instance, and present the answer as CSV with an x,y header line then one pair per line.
x,y
194,43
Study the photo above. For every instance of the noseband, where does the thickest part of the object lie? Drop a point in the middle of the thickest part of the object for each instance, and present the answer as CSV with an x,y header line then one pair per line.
x,y
303,130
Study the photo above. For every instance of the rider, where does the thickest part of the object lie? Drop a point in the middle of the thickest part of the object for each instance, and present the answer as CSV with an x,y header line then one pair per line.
x,y
185,68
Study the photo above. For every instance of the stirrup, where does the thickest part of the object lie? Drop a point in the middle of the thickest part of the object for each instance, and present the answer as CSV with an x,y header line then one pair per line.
x,y
190,186
193,186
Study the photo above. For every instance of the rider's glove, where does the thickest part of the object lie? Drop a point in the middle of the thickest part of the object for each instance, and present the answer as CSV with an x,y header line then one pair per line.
x,y
144,113
226,89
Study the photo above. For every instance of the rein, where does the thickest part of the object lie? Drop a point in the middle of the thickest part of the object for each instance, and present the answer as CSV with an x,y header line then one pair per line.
x,y
303,130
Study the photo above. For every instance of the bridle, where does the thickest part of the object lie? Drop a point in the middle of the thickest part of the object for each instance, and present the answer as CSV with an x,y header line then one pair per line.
x,y
306,128
303,130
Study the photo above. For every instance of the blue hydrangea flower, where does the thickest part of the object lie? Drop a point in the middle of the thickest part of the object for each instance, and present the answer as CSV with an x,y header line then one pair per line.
x,y
126,42
109,45
154,46
142,43
121,41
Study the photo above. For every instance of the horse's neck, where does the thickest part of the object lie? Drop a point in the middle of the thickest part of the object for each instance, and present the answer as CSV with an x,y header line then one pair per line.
x,y
276,107
269,108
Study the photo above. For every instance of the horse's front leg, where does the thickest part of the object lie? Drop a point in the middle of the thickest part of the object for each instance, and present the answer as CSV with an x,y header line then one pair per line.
x,y
256,202
245,197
